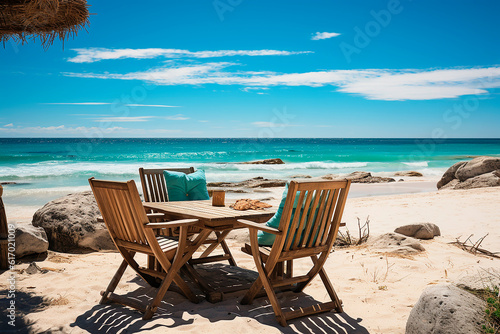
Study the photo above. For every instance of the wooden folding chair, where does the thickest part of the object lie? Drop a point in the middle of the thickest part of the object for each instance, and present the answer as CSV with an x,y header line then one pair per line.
x,y
155,190
307,228
132,233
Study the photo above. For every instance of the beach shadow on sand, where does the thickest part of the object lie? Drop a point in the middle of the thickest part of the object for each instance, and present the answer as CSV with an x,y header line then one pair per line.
x,y
177,312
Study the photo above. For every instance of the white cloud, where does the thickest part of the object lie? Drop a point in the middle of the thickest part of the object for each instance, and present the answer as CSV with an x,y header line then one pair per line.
x,y
91,55
372,84
85,132
178,117
324,35
249,89
150,105
10,125
107,103
80,103
57,131
123,119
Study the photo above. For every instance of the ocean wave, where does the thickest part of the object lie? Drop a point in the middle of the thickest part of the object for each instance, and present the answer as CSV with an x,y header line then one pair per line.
x,y
417,164
59,168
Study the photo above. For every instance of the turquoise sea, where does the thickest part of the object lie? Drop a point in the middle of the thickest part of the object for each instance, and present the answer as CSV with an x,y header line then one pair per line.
x,y
44,169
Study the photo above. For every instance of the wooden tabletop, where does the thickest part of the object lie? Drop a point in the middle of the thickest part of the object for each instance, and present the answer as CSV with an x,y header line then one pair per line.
x,y
208,214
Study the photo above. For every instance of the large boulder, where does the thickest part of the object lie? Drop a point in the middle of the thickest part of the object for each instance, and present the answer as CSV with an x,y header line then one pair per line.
x,y
419,231
71,224
443,309
484,180
477,173
30,240
477,166
395,243
449,175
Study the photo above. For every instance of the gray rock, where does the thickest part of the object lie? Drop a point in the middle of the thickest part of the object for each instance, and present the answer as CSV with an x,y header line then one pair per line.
x,y
450,185
443,309
395,243
449,175
275,161
419,231
409,173
330,177
477,166
359,177
484,180
71,224
257,182
300,176
30,240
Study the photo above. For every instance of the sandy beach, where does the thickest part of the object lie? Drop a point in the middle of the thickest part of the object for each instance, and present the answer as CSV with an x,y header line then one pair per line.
x,y
378,289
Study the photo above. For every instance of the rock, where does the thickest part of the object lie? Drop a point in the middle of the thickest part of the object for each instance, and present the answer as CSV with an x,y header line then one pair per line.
x,y
449,175
359,177
400,180
446,309
409,173
275,161
395,243
7,182
491,179
331,177
300,176
419,231
450,185
71,224
257,182
477,166
33,268
30,240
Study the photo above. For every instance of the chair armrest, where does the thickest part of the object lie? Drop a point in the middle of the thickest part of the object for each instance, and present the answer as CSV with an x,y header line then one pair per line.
x,y
150,216
155,215
172,224
259,226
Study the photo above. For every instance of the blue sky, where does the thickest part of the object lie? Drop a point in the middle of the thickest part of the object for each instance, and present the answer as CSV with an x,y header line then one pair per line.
x,y
241,68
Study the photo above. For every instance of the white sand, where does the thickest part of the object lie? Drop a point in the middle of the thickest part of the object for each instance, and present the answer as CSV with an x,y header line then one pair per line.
x,y
378,291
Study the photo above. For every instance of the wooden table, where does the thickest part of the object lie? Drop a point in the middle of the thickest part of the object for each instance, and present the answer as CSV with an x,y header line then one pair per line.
x,y
212,218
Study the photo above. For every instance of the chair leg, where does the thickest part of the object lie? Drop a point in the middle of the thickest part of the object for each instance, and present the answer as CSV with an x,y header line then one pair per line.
x,y
114,282
153,306
331,291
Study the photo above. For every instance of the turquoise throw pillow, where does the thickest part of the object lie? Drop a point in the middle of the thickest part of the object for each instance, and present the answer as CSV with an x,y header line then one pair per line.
x,y
267,239
186,187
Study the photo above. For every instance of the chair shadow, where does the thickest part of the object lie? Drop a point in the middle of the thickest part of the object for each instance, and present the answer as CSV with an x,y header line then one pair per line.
x,y
175,311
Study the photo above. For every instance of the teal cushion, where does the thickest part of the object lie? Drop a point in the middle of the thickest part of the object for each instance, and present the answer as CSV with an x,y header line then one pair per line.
x,y
186,187
267,239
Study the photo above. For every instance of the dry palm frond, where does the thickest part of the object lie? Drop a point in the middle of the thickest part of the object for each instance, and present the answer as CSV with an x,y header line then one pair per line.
x,y
44,19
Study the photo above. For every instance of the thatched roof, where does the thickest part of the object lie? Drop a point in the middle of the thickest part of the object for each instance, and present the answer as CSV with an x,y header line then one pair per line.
x,y
45,19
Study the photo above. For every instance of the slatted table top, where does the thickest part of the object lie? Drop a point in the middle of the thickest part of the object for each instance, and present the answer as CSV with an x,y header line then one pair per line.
x,y
208,214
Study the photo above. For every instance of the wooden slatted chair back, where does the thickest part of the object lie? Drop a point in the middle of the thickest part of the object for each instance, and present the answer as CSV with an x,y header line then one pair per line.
x,y
153,183
312,214
121,208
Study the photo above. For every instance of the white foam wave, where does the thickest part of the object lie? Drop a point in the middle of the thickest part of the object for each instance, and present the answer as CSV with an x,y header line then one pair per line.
x,y
417,164
58,168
